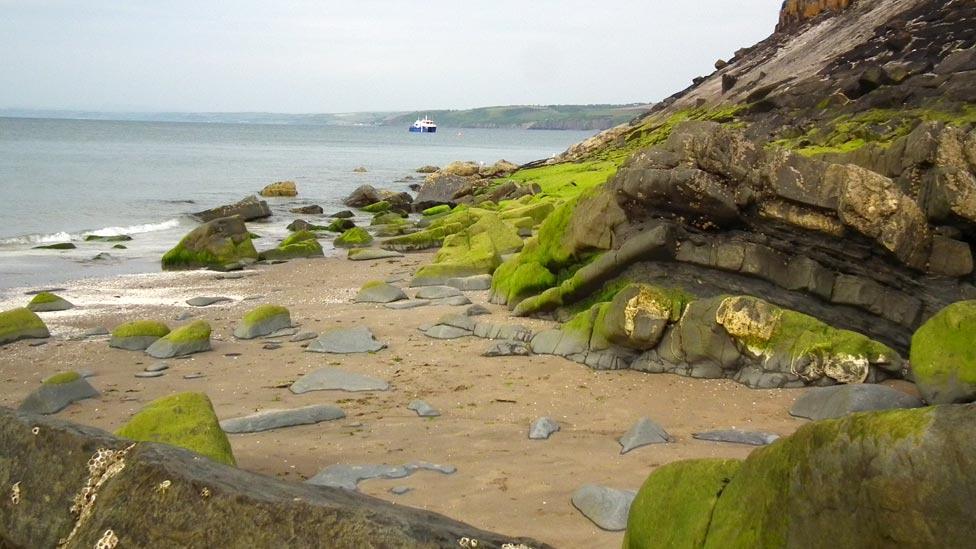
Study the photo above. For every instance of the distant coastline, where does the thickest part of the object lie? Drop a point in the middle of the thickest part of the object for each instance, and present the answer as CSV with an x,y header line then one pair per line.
x,y
532,117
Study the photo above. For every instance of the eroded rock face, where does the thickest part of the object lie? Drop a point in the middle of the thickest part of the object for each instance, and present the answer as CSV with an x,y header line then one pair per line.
x,y
164,487
795,12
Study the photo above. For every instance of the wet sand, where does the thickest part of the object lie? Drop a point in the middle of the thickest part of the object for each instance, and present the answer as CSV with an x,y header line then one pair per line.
x,y
504,482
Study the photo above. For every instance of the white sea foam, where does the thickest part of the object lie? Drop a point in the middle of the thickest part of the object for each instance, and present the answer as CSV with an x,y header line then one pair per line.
x,y
62,236
137,229
37,239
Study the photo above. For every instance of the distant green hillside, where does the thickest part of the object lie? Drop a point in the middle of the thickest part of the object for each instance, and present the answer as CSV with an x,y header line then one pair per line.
x,y
538,117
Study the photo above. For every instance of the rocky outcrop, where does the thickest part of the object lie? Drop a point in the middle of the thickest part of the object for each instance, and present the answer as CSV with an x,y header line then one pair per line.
x,y
247,209
795,12
944,357
48,465
363,196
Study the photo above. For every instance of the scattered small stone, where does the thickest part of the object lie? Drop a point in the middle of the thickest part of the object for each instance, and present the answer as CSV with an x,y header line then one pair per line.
x,y
643,432
379,292
185,315
507,348
230,276
194,376
754,438
36,343
606,507
454,301
206,301
437,292
45,291
150,374
96,332
331,379
423,409
277,419
400,490
253,297
233,355
442,331
271,346
157,367
543,428
477,310
303,336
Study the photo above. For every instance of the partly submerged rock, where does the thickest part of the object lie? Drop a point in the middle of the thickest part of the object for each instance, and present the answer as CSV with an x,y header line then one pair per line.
x,y
185,340
277,419
643,432
308,210
377,291
606,507
364,195
214,244
543,428
247,209
48,302
56,393
840,400
263,320
56,246
137,335
280,188
21,324
330,379
346,341
943,355
186,420
734,436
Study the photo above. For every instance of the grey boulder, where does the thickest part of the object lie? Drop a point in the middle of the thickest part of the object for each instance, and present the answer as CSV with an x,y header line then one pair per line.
x,y
543,428
330,379
643,433
381,292
54,397
277,419
606,507
839,400
346,341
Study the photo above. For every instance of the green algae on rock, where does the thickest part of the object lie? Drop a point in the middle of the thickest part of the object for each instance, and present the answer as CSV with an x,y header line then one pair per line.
x,y
186,420
137,335
262,321
214,244
472,251
377,207
21,324
353,238
185,340
943,355
62,378
436,210
301,244
48,302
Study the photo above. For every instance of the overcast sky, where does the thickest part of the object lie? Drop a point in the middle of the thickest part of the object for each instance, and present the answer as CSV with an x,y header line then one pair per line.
x,y
329,56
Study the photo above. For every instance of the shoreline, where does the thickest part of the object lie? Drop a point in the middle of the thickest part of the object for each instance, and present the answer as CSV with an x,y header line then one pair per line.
x,y
504,482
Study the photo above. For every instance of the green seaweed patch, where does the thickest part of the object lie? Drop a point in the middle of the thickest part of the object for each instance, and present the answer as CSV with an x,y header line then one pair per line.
x,y
181,257
357,236
750,512
377,207
475,250
62,378
943,353
186,420
141,328
16,320
263,313
195,331
674,505
371,283
436,210
44,297
562,181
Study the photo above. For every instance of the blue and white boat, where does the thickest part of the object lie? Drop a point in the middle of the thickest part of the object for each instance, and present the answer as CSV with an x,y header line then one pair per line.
x,y
424,125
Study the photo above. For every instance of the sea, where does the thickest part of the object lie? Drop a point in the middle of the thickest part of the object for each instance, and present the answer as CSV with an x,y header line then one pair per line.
x,y
61,180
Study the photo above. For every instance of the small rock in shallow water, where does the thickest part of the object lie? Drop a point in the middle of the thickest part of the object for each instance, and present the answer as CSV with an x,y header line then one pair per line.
x,y
206,301
754,438
423,409
542,428
606,507
643,432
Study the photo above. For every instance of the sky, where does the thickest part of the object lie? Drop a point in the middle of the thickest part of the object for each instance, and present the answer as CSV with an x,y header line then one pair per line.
x,y
325,56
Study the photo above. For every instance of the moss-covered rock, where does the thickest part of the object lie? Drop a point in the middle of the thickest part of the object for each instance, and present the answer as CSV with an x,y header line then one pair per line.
x,y
388,218
674,506
57,392
185,340
62,378
377,207
943,355
137,335
353,238
186,420
263,320
436,210
473,251
47,302
280,188
340,225
57,246
302,244
112,238
214,244
638,314
538,211
21,324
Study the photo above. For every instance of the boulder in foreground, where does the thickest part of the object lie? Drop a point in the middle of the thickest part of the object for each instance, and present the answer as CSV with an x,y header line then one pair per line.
x,y
161,489
215,244
21,324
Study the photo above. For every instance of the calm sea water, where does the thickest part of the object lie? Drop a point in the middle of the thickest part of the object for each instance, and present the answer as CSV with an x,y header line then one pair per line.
x,y
63,179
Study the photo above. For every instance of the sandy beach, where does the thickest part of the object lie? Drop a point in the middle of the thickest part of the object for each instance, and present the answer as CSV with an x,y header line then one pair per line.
x,y
504,482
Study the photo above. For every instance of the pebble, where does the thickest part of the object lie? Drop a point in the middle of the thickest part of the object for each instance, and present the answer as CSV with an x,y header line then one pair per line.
x,y
157,367
400,490
423,409
543,428
149,374
185,315
271,346
193,376
206,301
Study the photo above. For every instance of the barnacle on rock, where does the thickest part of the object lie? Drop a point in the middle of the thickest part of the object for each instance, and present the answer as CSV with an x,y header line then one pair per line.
x,y
163,486
102,466
108,540
36,431
15,493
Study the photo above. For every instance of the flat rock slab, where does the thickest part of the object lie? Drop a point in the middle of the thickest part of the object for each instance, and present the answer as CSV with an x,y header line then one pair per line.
x,y
643,433
52,398
471,283
423,409
437,292
163,348
477,310
349,476
507,348
754,438
380,293
839,400
606,507
150,374
442,331
277,419
330,379
453,301
409,304
543,428
133,343
369,254
157,367
303,336
346,341
206,301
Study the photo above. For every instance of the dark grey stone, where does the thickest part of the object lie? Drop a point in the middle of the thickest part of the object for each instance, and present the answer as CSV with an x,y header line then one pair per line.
x,y
754,438
839,400
423,409
150,374
330,379
643,432
543,428
477,310
346,341
247,209
52,398
606,507
380,293
507,348
303,336
442,331
277,419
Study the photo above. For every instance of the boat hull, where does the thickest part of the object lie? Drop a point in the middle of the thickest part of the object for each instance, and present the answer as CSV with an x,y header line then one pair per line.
x,y
415,129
